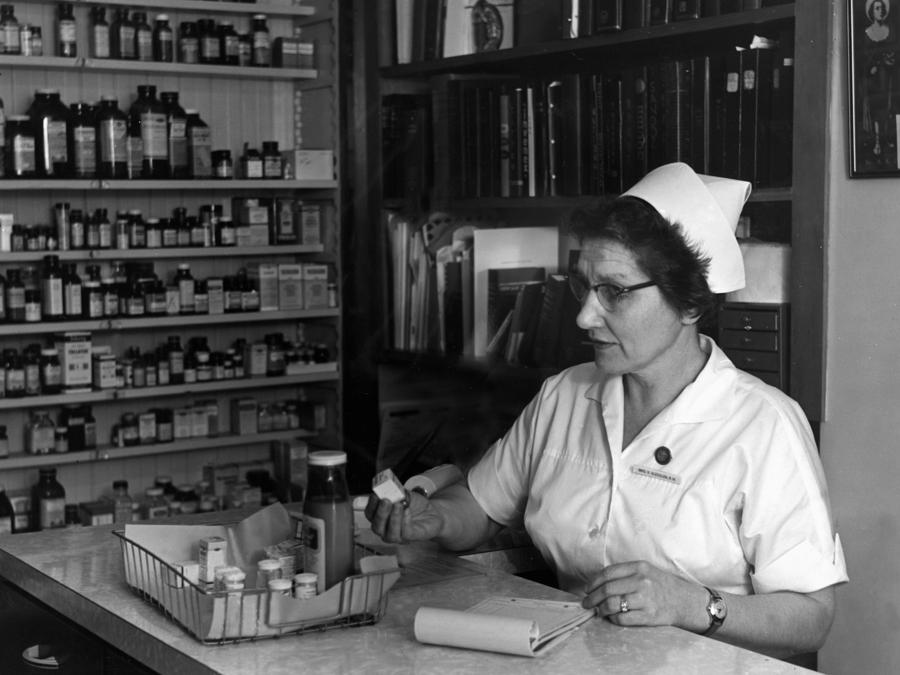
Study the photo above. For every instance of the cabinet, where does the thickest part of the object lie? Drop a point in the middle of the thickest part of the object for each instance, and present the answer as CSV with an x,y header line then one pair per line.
x,y
796,210
753,336
243,105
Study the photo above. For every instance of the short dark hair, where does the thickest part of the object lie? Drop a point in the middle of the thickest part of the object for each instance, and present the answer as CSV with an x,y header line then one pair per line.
x,y
659,246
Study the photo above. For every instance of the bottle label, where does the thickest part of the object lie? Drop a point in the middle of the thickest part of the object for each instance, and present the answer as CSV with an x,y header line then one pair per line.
x,y
85,150
186,294
52,512
15,298
178,147
153,134
314,548
144,45
126,42
53,297
23,154
11,39
113,135
57,142
73,300
210,48
101,42
190,50
6,525
201,152
66,32
135,153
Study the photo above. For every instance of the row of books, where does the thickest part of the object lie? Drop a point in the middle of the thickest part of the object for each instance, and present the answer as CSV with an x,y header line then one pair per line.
x,y
464,288
727,114
425,30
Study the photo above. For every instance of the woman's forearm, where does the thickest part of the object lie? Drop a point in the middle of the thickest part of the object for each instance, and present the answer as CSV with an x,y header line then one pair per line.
x,y
465,525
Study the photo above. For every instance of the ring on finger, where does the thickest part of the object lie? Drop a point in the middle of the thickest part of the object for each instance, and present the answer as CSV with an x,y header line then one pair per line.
x,y
623,605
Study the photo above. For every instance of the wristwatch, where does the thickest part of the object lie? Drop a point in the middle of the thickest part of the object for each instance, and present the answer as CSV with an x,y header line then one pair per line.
x,y
717,610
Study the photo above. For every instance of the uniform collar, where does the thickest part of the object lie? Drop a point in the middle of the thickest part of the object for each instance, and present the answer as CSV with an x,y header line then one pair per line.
x,y
702,400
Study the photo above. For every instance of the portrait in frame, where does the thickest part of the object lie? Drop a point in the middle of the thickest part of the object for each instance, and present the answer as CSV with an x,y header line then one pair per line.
x,y
874,80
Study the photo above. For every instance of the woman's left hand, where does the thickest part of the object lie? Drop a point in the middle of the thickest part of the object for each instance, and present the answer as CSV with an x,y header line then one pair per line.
x,y
639,594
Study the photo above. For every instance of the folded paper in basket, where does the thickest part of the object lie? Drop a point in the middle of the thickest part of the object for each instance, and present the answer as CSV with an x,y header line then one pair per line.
x,y
519,626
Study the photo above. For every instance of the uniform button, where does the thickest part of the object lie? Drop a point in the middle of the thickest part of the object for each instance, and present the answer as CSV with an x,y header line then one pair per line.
x,y
662,455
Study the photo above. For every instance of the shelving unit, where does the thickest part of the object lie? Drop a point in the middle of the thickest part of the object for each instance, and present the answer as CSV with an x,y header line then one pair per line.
x,y
804,200
298,107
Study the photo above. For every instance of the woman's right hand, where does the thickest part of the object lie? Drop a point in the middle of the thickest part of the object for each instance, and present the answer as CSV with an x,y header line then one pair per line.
x,y
394,523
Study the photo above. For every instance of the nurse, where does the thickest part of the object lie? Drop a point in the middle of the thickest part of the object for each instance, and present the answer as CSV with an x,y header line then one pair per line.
x,y
662,484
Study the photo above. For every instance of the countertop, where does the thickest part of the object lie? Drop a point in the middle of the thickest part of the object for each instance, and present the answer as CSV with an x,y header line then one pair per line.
x,y
79,573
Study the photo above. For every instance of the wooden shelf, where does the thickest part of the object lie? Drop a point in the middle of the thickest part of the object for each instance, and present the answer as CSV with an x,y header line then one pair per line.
x,y
26,461
583,52
88,184
315,372
162,253
274,9
124,323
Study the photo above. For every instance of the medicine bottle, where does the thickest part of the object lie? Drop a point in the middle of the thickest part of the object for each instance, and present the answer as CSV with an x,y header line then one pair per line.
x,y
7,515
112,129
199,146
271,158
328,518
49,499
53,304
100,34
83,140
122,36
9,30
150,116
188,43
245,49
37,41
51,372
32,362
163,40
50,120
21,155
72,288
176,360
176,131
185,283
209,42
15,296
2,140
77,230
39,438
251,163
262,52
122,502
229,44
154,505
223,165
2,301
143,37
66,31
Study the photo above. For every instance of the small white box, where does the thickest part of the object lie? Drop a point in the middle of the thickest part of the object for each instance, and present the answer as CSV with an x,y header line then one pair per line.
x,y
75,358
310,224
6,226
314,164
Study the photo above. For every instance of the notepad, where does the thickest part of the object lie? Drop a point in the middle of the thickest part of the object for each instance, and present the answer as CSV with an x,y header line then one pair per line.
x,y
520,626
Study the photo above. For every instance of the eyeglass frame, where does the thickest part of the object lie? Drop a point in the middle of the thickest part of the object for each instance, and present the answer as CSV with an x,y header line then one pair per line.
x,y
617,290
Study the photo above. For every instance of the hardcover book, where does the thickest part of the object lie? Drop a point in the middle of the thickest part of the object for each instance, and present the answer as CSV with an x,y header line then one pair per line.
x,y
612,133
607,16
756,103
634,124
781,128
538,21
635,14
659,11
554,135
576,134
731,131
684,10
503,290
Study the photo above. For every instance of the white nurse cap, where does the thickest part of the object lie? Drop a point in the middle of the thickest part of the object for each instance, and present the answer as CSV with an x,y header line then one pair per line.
x,y
707,208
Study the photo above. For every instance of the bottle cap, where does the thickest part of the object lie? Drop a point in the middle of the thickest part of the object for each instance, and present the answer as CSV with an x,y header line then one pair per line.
x,y
327,458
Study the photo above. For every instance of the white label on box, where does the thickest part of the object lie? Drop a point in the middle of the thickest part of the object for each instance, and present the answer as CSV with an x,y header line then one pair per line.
x,y
314,164
75,358
290,286
266,277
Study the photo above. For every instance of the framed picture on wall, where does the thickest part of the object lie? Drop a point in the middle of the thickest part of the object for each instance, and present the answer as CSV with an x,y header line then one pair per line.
x,y
874,78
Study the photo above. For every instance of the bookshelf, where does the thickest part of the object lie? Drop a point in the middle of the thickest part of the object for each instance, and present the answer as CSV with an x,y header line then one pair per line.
x,y
799,205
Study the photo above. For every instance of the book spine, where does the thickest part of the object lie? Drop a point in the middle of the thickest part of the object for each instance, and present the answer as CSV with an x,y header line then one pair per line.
x,y
635,14
554,139
612,133
516,147
529,142
782,122
765,67
656,155
597,141
504,129
573,156
749,120
684,90
716,139
470,137
685,10
659,11
607,15
634,125
731,132
700,115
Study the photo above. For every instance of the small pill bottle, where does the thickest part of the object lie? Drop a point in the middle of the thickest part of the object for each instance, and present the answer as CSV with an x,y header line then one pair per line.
x,y
305,585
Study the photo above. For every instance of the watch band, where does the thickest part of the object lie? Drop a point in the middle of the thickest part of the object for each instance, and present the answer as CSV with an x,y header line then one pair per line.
x,y
716,609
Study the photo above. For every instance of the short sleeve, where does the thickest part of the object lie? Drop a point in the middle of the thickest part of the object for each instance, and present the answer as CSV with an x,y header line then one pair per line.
x,y
786,526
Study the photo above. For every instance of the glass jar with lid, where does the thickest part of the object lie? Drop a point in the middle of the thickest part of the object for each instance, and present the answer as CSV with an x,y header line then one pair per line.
x,y
40,435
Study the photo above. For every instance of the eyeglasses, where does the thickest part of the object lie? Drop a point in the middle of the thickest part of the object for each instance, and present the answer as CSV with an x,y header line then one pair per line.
x,y
607,294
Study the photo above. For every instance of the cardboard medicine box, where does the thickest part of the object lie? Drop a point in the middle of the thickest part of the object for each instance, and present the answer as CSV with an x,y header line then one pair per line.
x,y
265,275
290,286
75,358
315,286
244,415
310,224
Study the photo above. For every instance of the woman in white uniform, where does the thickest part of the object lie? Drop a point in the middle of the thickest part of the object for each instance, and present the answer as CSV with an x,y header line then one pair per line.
x,y
661,483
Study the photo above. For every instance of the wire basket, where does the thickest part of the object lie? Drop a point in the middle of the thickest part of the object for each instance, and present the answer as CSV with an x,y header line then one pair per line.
x,y
220,617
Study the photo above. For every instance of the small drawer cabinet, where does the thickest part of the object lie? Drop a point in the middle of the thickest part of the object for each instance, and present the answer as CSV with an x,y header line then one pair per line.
x,y
755,338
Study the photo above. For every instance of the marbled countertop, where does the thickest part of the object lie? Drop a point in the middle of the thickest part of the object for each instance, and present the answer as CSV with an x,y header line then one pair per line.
x,y
80,574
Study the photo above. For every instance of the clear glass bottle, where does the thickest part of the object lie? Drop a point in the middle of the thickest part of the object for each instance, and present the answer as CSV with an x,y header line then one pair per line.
x,y
15,296
262,51
49,501
66,31
188,43
100,33
328,513
52,303
229,44
150,116
185,282
176,125
176,360
40,434
122,502
199,146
